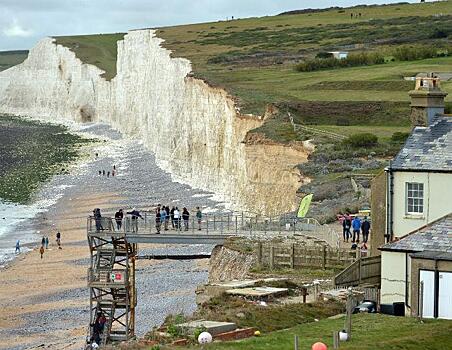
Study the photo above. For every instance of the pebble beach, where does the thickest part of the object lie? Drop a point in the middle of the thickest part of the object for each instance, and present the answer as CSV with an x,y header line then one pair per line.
x,y
45,302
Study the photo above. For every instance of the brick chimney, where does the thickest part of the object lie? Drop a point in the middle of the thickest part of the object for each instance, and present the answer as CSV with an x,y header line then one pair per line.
x,y
427,100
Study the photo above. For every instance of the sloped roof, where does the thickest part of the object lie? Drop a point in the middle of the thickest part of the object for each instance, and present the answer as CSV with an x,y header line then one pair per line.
x,y
427,148
434,237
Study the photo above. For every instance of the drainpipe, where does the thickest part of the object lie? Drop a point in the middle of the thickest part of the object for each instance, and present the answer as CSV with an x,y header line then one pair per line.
x,y
436,291
389,202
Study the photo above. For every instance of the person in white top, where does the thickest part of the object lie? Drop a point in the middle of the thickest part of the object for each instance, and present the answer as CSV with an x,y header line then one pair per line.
x,y
177,218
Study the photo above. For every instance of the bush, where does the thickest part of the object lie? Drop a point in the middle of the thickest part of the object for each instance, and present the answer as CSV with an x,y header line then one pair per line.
x,y
412,53
399,137
353,60
362,140
324,54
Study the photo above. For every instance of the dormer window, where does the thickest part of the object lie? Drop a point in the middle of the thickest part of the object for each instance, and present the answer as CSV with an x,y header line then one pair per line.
x,y
414,198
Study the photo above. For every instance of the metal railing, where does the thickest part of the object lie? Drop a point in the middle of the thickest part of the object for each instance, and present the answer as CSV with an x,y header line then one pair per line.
x,y
218,223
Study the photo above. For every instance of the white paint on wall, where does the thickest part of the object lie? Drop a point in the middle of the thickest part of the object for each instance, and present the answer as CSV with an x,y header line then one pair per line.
x,y
437,200
393,276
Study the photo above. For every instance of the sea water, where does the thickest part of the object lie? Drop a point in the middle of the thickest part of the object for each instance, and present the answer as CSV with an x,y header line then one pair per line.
x,y
12,216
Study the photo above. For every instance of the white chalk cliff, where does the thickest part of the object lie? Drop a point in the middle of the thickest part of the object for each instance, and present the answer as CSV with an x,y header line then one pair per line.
x,y
194,129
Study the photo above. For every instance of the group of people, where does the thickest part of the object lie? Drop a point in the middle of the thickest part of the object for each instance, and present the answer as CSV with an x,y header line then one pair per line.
x,y
163,216
45,243
113,172
357,226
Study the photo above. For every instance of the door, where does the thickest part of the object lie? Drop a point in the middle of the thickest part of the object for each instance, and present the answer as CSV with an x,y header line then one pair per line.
x,y
428,300
445,295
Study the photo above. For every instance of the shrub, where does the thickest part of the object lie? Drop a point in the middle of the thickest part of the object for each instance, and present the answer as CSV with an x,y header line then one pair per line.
x,y
399,137
353,60
362,140
412,53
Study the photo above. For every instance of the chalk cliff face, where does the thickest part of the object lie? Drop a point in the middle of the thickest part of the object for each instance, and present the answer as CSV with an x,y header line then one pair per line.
x,y
194,129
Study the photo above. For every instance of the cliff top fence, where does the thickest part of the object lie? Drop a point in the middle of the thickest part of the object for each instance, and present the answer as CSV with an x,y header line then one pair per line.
x,y
297,256
215,228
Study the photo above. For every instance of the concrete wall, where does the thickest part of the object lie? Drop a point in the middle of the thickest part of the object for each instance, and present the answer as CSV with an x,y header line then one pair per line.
x,y
393,277
423,264
378,214
437,200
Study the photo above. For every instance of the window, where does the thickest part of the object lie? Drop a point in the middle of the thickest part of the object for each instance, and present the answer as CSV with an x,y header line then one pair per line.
x,y
414,198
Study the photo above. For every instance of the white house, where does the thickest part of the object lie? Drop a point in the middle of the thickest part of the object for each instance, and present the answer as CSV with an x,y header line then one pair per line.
x,y
419,193
339,54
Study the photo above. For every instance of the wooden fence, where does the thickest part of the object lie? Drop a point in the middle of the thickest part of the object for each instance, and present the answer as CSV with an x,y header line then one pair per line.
x,y
297,256
364,271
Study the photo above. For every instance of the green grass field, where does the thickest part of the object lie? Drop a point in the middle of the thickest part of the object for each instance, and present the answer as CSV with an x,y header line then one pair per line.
x,y
9,59
369,332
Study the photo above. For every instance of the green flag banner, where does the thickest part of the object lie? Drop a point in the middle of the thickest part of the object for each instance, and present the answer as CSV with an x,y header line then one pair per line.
x,y
304,206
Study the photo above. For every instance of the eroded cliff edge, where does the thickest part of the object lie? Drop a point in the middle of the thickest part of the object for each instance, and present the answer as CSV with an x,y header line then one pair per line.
x,y
195,130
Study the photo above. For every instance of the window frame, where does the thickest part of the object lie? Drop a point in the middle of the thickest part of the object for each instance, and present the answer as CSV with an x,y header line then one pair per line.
x,y
417,201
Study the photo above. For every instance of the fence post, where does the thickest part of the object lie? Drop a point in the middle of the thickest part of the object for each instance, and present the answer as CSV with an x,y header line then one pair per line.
x,y
420,307
296,342
324,257
214,222
360,274
335,340
207,223
229,219
272,257
292,256
259,254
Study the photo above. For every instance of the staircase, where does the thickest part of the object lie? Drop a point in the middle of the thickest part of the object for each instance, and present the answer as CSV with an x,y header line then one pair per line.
x,y
111,283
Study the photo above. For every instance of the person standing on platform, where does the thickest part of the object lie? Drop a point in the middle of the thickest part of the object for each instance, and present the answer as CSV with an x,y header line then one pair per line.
x,y
119,215
199,217
186,218
177,218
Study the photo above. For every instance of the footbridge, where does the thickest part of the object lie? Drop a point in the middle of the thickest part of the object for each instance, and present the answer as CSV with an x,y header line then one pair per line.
x,y
114,247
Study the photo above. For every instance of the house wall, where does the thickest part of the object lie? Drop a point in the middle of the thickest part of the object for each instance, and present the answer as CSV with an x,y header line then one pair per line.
x,y
378,213
423,264
393,277
437,203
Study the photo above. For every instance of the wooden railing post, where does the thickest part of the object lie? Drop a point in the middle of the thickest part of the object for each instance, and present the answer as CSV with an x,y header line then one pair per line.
x,y
324,257
259,254
272,257
292,256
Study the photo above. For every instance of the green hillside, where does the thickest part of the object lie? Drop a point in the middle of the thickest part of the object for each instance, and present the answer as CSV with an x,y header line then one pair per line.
x,y
9,59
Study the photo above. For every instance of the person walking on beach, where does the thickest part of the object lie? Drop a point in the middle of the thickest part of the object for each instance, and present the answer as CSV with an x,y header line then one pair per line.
x,y
177,218
172,216
185,217
356,224
199,217
135,215
41,251
346,224
47,242
100,172
58,239
365,228
18,247
43,241
119,215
